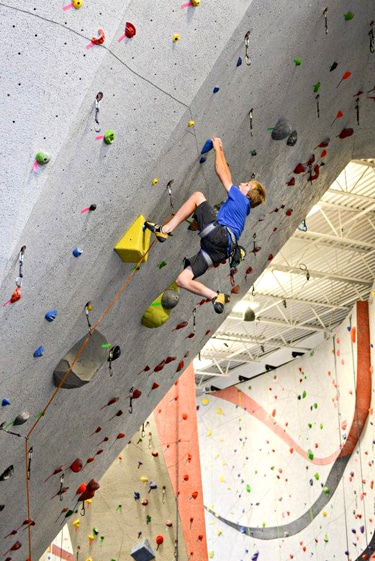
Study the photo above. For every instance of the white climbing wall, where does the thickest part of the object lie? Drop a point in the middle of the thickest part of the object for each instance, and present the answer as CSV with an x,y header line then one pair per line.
x,y
152,87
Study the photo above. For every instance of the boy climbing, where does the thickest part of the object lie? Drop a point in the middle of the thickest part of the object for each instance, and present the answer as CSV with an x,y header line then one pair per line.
x,y
219,233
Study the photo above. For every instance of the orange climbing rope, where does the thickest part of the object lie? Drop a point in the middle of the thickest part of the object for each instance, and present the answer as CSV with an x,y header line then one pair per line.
x,y
51,399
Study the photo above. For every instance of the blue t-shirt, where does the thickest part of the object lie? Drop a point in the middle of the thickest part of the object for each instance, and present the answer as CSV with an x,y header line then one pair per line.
x,y
234,210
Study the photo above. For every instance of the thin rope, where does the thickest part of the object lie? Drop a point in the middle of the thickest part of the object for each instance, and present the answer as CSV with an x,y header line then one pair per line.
x,y
51,399
28,497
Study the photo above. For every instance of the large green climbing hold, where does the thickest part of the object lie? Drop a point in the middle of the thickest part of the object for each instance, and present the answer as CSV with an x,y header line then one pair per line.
x,y
159,310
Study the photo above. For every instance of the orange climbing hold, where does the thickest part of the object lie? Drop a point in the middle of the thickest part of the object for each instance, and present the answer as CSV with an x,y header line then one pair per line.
x,y
98,40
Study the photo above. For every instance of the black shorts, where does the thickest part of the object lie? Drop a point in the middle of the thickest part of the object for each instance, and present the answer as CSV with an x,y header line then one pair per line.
x,y
216,244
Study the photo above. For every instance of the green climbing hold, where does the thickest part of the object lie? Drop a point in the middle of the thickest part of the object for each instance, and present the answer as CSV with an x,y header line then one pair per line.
x,y
310,454
297,61
109,136
304,394
162,264
159,310
348,16
69,513
326,538
316,87
42,158
326,490
248,488
317,476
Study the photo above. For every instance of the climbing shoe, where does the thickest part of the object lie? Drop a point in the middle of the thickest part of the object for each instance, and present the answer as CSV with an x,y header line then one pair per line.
x,y
219,301
157,230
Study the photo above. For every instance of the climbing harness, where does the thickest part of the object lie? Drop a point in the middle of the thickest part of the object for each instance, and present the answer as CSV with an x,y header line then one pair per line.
x,y
247,41
236,253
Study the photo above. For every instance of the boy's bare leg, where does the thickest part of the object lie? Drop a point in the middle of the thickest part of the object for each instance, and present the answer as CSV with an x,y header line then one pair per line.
x,y
185,280
186,210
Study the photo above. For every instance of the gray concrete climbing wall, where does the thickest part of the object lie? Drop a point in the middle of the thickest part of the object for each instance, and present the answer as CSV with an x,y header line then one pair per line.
x,y
152,87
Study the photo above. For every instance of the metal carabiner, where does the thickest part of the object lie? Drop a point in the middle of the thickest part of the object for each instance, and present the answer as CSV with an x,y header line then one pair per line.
x,y
83,509
99,97
20,270
247,41
169,184
251,116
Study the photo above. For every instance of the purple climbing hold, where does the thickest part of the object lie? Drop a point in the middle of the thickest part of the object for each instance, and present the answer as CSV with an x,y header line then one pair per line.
x,y
39,352
208,145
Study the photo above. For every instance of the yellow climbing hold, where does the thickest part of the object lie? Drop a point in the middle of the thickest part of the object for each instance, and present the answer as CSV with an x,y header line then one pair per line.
x,y
205,401
77,4
76,523
195,3
144,478
191,123
176,37
219,411
155,181
211,554
209,432
134,243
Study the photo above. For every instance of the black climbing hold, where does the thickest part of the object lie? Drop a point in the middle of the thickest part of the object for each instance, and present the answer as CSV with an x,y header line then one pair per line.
x,y
292,138
281,130
7,474
21,418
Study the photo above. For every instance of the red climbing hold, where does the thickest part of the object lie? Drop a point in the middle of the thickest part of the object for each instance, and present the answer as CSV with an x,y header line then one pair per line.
x,y
92,486
300,168
118,414
96,431
160,366
190,336
323,154
324,143
16,295
169,359
81,489
155,385
180,366
311,160
291,182
130,30
76,466
181,325
136,394
289,212
110,402
345,133
98,40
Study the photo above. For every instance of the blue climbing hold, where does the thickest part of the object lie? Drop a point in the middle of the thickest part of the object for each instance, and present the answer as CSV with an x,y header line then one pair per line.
x,y
216,89
207,146
77,252
239,61
51,315
137,495
202,160
39,352
5,402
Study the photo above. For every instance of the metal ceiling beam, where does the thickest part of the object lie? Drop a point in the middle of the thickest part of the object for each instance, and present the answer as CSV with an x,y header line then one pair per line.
x,y
287,299
337,239
319,274
354,196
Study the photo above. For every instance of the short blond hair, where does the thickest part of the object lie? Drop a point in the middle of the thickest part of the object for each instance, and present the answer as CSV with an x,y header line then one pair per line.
x,y
256,195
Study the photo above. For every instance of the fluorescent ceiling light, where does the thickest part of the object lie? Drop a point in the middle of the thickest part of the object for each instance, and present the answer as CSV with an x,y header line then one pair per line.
x,y
242,306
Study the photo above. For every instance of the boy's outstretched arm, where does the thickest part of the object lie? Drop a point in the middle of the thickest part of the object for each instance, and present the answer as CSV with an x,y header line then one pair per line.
x,y
221,166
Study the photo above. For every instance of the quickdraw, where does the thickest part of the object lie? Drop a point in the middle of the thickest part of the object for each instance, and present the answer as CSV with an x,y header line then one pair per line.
x,y
247,41
99,97
372,38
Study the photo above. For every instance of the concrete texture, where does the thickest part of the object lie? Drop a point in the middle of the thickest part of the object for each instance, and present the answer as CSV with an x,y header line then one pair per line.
x,y
152,87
